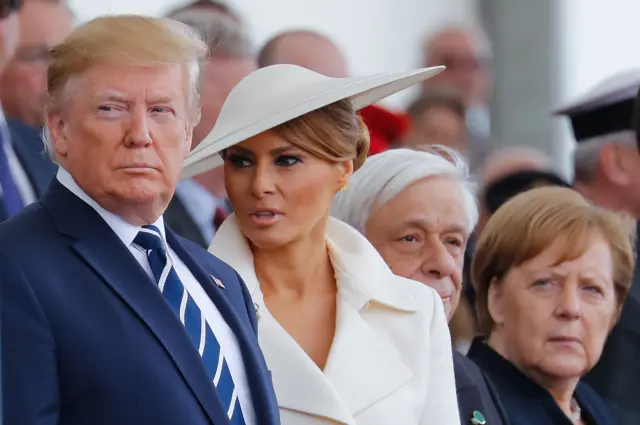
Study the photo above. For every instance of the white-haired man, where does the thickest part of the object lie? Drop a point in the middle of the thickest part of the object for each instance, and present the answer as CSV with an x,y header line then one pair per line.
x,y
607,171
418,209
108,316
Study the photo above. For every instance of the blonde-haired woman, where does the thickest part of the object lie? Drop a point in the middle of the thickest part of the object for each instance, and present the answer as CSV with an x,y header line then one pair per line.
x,y
347,341
551,273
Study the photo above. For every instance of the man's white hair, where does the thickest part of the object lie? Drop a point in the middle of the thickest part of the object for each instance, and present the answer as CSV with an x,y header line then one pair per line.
x,y
587,153
385,175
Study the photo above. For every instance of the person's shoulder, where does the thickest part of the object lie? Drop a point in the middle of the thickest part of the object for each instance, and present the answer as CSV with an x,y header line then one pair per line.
x,y
28,234
32,219
468,374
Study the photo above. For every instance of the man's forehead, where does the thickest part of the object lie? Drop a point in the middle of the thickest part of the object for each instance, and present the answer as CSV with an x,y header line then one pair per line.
x,y
126,82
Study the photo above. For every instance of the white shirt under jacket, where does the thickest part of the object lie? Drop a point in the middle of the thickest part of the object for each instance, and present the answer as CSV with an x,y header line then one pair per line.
x,y
390,362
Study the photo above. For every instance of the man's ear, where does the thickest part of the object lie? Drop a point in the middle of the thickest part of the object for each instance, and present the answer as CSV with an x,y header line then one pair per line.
x,y
612,163
57,129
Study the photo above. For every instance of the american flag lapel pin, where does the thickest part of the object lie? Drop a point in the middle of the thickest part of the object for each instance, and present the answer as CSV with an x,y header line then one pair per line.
x,y
217,281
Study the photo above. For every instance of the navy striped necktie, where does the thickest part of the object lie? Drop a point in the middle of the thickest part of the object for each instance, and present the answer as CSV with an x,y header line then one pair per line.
x,y
151,241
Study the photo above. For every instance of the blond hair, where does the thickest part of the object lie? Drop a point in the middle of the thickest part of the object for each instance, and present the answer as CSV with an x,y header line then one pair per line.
x,y
129,40
334,133
529,223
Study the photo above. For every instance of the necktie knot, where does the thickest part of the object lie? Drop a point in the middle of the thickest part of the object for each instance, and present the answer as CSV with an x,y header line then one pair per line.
x,y
149,238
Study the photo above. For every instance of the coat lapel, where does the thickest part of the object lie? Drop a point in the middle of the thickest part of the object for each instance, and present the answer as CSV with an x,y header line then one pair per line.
x,y
102,250
300,385
363,367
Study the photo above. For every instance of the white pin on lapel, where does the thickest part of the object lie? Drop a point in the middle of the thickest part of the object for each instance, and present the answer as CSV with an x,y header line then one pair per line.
x,y
217,281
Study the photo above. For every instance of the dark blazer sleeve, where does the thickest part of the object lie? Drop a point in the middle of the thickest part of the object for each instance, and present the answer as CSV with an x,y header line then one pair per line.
x,y
30,390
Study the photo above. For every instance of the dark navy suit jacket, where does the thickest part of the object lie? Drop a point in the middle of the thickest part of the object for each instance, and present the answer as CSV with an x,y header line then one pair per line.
x,y
527,403
89,339
476,393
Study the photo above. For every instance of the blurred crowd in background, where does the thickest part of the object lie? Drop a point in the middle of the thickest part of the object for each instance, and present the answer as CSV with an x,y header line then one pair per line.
x,y
451,110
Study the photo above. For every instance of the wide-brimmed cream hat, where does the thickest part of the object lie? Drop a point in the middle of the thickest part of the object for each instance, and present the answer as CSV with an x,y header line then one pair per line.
x,y
276,94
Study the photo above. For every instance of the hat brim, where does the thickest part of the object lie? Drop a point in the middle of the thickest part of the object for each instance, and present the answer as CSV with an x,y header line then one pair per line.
x,y
362,91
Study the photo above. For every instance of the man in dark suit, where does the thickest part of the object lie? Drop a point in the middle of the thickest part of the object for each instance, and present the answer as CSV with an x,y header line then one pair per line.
x,y
607,171
108,317
199,206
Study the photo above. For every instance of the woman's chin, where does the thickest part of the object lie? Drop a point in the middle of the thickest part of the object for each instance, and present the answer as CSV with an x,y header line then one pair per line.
x,y
267,239
565,366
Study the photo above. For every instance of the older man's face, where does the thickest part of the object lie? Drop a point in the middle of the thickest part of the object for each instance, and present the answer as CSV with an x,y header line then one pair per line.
x,y
123,136
422,234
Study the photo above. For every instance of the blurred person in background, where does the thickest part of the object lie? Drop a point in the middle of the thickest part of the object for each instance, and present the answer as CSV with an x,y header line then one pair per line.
x,y
437,118
23,88
501,164
466,53
109,317
317,52
24,171
607,172
23,85
418,209
200,204
347,341
551,272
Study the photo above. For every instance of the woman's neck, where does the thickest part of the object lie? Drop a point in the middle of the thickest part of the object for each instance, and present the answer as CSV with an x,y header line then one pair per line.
x,y
297,269
561,389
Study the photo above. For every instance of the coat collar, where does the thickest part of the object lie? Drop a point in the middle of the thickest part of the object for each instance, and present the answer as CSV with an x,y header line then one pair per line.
x,y
358,352
362,274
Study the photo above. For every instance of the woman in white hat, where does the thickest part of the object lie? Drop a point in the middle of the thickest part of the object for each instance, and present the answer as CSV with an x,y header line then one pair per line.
x,y
346,340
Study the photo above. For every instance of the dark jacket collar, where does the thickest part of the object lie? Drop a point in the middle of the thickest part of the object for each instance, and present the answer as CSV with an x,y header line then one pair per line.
x,y
525,401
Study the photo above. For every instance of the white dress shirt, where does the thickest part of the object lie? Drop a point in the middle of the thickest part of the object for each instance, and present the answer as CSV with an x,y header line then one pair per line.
x,y
225,336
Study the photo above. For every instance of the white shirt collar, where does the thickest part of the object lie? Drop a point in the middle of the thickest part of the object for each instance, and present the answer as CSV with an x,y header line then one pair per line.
x,y
125,230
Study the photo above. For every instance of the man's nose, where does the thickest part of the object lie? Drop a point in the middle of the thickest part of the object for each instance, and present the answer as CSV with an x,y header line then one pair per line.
x,y
439,263
138,134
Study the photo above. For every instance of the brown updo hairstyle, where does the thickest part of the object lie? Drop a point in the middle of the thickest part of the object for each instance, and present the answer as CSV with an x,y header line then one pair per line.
x,y
335,133
529,223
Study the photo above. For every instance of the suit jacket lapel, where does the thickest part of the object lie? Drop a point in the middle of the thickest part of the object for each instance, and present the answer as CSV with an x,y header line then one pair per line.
x,y
103,251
